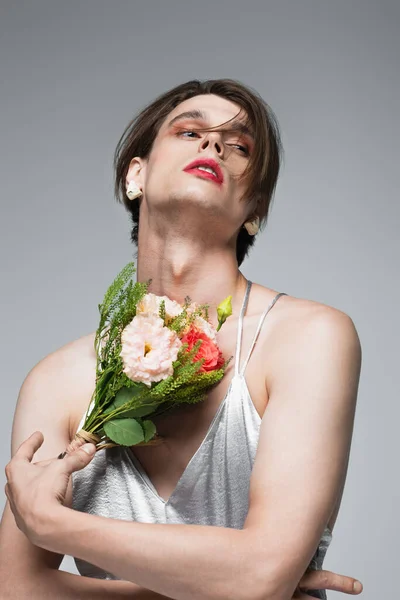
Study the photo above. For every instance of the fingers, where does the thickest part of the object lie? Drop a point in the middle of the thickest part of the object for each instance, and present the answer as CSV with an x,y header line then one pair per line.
x,y
72,446
31,445
327,580
78,459
76,443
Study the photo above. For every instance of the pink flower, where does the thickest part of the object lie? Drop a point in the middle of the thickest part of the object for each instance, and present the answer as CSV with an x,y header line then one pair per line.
x,y
150,305
207,328
148,349
201,323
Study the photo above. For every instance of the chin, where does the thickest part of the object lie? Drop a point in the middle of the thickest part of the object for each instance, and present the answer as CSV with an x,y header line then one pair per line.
x,y
196,192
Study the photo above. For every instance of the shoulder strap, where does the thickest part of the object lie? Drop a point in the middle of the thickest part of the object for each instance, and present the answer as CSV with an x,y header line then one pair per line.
x,y
240,325
257,333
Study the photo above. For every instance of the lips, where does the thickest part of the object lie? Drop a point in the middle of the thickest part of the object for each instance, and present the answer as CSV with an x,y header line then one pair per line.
x,y
206,162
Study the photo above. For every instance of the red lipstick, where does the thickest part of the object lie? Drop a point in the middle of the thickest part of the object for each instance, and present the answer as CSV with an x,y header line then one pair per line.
x,y
193,167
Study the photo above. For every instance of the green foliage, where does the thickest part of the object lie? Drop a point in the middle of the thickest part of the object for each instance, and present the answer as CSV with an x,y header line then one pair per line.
x,y
119,402
116,311
125,432
126,395
149,430
161,312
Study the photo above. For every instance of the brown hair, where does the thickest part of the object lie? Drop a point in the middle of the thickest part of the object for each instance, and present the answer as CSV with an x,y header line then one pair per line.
x,y
261,172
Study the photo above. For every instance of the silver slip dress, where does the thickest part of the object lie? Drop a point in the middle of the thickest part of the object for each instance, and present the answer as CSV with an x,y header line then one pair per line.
x,y
214,487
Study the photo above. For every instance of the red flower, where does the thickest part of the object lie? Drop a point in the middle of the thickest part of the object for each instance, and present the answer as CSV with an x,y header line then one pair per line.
x,y
208,349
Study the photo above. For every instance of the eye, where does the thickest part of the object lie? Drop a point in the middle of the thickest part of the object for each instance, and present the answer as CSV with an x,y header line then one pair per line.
x,y
186,131
243,149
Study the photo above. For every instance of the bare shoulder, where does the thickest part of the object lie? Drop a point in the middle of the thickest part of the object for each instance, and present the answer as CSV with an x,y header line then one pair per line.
x,y
298,325
295,307
57,388
304,316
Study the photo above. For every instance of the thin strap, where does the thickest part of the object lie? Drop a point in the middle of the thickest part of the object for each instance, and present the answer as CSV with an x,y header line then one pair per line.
x,y
240,326
259,329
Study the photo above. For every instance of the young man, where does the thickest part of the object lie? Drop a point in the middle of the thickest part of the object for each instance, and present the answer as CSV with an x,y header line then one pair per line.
x,y
196,224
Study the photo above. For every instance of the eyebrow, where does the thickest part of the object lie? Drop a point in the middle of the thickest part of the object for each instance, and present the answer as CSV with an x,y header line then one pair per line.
x,y
200,115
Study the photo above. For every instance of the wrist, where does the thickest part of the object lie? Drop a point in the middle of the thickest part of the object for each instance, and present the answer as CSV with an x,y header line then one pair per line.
x,y
48,529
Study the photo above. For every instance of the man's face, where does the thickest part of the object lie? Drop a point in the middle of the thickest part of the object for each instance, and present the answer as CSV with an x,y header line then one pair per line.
x,y
167,186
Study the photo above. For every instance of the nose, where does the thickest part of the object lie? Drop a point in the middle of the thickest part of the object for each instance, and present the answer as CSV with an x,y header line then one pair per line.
x,y
213,140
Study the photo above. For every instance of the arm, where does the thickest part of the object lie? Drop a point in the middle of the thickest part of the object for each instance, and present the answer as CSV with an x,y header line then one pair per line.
x,y
179,561
326,353
44,403
304,445
219,560
305,436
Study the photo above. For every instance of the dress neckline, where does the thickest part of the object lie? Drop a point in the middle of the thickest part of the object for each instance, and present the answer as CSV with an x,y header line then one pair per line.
x,y
141,471
135,461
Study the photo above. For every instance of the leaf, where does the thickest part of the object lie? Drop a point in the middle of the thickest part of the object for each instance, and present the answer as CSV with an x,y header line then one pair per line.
x,y
140,411
125,432
149,430
123,396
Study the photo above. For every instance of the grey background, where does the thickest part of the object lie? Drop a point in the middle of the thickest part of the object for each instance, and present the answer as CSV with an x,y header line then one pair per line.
x,y
73,74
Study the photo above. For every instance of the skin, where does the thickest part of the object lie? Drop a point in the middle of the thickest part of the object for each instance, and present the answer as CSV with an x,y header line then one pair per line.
x,y
187,236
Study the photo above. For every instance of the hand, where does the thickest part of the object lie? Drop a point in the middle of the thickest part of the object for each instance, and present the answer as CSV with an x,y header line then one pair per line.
x,y
36,491
324,580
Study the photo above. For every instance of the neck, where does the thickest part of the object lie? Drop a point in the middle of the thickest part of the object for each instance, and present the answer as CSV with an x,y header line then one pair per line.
x,y
183,266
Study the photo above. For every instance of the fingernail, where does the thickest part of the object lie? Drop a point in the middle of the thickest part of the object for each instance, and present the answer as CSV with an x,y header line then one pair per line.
x,y
89,448
357,586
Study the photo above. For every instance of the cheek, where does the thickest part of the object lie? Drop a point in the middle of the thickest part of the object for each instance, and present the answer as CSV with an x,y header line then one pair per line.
x,y
165,167
159,175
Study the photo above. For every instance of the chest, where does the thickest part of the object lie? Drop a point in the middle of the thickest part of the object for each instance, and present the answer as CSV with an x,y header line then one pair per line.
x,y
185,430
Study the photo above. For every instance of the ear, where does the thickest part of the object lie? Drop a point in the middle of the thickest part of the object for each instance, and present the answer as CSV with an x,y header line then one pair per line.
x,y
251,217
136,172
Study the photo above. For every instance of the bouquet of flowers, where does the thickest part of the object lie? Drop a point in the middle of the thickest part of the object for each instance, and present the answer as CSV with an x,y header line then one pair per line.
x,y
153,354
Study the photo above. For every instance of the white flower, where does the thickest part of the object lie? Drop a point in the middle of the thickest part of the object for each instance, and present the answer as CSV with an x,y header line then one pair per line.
x,y
206,327
148,349
150,305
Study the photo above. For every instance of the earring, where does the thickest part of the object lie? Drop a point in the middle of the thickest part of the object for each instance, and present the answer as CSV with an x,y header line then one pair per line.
x,y
252,226
133,191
